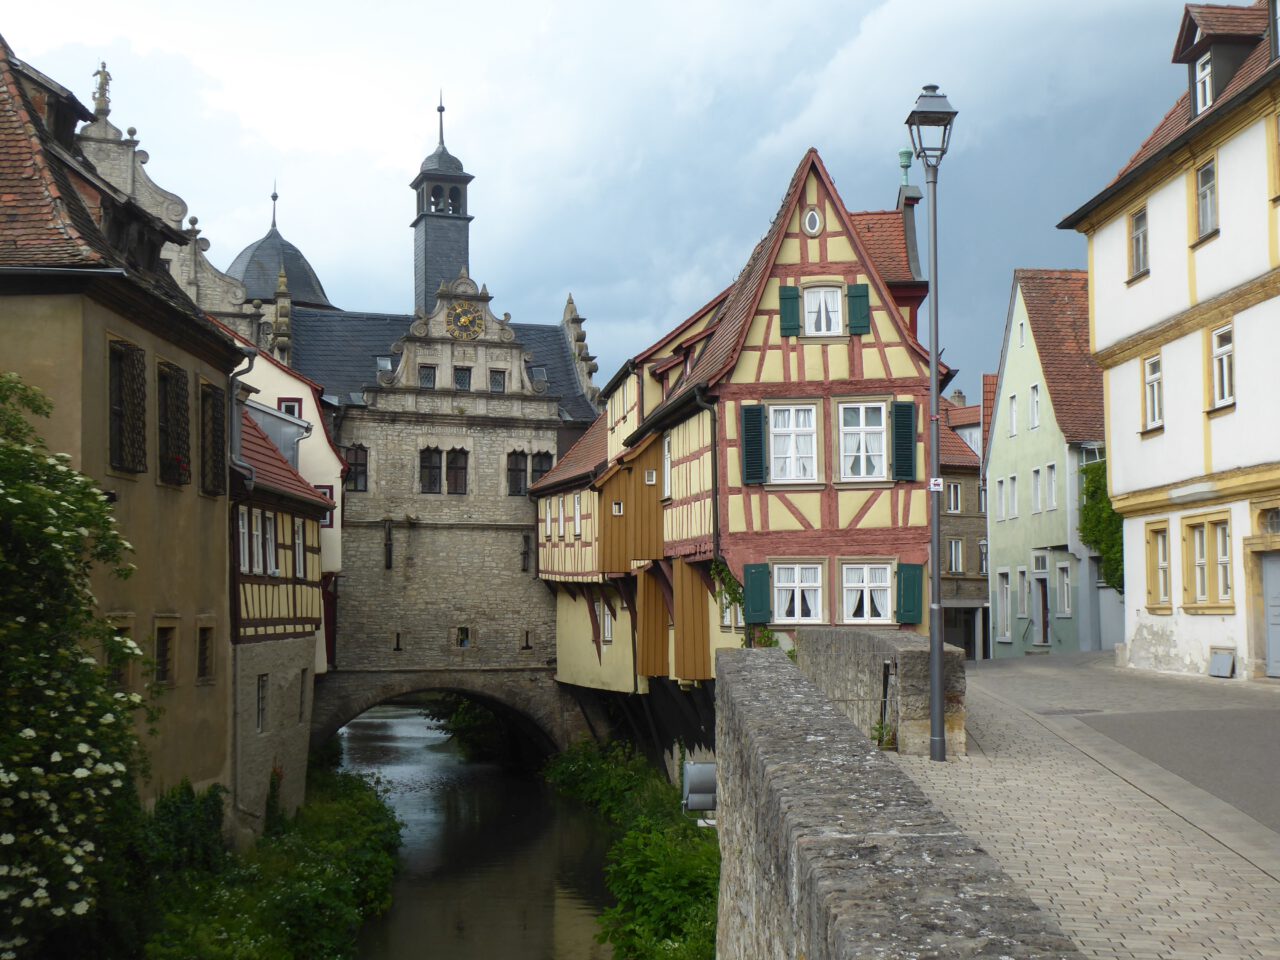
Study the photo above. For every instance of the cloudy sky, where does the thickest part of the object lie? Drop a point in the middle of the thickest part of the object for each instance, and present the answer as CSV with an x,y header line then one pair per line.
x,y
632,156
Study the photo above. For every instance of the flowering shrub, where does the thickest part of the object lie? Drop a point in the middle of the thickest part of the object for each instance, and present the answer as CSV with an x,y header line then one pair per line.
x,y
68,751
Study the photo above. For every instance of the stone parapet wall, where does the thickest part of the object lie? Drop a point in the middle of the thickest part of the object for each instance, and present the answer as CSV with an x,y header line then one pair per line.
x,y
847,664
830,852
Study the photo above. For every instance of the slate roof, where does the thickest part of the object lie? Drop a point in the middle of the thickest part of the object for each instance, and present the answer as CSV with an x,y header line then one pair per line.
x,y
257,266
338,349
271,470
579,461
883,235
1057,303
442,161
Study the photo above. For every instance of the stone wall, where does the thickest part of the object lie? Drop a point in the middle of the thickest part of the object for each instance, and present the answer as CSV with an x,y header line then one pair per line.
x,y
847,664
829,851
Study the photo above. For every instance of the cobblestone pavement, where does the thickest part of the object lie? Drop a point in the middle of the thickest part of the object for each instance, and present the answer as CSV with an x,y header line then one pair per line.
x,y
1133,860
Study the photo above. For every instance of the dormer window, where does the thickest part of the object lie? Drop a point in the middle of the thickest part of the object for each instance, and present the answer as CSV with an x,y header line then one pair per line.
x,y
1204,83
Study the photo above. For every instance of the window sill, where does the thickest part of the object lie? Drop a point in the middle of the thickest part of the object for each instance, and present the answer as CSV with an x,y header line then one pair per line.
x,y
1221,410
1209,609
1004,639
1211,235
859,483
1138,277
793,485
1160,611
1150,432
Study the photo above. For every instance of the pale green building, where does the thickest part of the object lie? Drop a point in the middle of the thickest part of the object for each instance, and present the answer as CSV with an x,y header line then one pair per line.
x,y
1047,422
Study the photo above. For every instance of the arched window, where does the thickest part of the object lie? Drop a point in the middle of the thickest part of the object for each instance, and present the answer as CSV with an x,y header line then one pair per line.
x,y
542,462
456,471
455,200
429,470
437,199
517,473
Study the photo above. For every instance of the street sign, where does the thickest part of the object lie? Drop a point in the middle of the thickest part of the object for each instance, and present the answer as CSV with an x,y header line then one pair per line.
x,y
935,484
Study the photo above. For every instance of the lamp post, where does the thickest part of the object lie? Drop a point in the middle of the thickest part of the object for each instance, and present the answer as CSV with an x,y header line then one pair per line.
x,y
930,125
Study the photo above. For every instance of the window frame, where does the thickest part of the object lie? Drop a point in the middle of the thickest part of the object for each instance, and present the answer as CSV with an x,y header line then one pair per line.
x,y
1004,606
1206,198
357,479
257,544
1013,414
1035,406
847,434
498,377
848,590
1051,486
666,466
775,433
577,516
1062,589
164,659
299,548
560,517
243,525
540,464
1152,392
955,503
1203,83
1222,364
1024,592
1001,503
461,374
1013,496
1035,489
456,463
517,473
1139,244
1159,569
837,317
1208,562
430,470
270,544
797,588
955,555
427,371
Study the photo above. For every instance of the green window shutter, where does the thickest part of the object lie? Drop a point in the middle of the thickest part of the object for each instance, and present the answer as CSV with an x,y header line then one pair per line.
x,y
789,304
904,440
755,593
910,593
755,460
858,299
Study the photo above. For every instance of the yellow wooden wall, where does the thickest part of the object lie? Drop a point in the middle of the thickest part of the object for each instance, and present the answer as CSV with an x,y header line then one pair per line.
x,y
569,557
693,627
651,627
688,515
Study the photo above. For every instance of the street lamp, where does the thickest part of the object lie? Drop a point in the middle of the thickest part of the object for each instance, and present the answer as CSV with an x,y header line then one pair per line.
x,y
930,126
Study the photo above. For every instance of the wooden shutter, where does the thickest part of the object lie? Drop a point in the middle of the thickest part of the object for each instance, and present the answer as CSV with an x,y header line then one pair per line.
x,y
133,401
789,305
755,455
910,593
858,300
213,440
180,425
904,440
756,606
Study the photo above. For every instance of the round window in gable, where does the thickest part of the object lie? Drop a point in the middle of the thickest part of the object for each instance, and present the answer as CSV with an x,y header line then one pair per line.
x,y
811,221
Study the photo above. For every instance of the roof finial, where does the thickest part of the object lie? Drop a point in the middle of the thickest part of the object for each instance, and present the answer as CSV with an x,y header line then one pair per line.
x,y
101,99
440,110
904,161
274,197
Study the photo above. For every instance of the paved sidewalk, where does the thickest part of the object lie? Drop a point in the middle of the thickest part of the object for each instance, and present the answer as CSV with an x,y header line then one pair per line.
x,y
1137,809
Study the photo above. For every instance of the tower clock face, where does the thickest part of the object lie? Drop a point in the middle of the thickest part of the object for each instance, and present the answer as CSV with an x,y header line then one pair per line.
x,y
464,321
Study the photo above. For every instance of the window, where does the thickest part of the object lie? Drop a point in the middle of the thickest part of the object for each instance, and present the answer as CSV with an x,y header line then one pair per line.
x,y
164,654
1064,589
1000,502
213,440
385,364
866,592
357,469
955,556
546,518
1013,496
541,465
1035,405
456,471
1204,83
427,376
462,379
429,462
127,407
464,636
1013,415
982,496
1207,199
1222,557
1035,490
257,541
651,478
730,614
1004,618
982,557
497,381
1051,486
617,508
797,593
270,552
290,407
577,516
1022,333
1224,375
172,424
204,653
299,548
1158,586
526,552
605,618
302,694
1207,579
517,472
560,518
1153,393
243,526
1138,243
1023,593
793,442
666,467
862,438
953,497
260,715
822,311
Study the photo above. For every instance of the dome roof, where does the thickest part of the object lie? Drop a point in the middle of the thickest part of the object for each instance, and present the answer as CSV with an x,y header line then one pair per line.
x,y
441,161
258,268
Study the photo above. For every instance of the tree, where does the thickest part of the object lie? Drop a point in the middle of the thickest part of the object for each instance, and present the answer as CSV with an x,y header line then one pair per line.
x,y
1101,528
68,749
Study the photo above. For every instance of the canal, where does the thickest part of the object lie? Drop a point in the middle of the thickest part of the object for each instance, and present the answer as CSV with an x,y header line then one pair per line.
x,y
493,865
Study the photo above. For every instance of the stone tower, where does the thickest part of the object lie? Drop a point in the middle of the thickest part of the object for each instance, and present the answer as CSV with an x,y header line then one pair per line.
x,y
441,227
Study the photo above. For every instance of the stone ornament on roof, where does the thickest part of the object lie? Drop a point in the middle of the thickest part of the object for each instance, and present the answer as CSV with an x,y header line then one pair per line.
x,y
101,98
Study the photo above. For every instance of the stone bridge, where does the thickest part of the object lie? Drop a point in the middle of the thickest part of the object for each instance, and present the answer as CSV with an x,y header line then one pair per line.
x,y
528,694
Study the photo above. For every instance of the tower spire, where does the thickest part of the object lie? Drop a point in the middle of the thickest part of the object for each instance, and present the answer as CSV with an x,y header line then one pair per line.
x,y
274,197
440,110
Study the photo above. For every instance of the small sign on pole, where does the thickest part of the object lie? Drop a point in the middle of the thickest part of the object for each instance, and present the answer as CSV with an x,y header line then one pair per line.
x,y
935,484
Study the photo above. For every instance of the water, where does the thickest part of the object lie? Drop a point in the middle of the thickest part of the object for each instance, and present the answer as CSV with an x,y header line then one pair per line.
x,y
493,865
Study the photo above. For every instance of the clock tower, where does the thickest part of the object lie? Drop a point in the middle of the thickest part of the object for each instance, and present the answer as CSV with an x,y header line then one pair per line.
x,y
442,226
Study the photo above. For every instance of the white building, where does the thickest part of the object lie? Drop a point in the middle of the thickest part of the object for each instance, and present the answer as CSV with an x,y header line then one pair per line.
x,y
1184,269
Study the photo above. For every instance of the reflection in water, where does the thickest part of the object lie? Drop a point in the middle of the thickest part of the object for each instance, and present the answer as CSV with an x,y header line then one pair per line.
x,y
493,864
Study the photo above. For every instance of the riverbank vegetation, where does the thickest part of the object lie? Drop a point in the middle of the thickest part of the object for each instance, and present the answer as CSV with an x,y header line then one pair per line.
x,y
664,870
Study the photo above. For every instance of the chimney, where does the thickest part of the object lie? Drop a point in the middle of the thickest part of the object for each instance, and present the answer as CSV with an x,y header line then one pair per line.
x,y
957,397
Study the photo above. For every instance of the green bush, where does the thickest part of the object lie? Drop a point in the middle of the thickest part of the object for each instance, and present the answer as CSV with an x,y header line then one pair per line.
x,y
664,871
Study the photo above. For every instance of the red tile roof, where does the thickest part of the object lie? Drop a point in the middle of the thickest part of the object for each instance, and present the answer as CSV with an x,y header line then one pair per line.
x,y
954,452
580,460
990,384
969,416
1057,304
883,235
271,470
1220,22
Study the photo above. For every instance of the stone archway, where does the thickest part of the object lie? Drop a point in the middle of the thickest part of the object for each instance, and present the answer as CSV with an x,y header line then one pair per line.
x,y
532,694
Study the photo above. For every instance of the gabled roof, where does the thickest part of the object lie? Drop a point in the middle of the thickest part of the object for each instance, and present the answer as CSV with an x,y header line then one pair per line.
x,y
1057,303
271,470
1213,22
580,461
954,452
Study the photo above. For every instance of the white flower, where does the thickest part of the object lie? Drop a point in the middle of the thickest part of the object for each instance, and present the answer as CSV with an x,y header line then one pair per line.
x,y
81,908
79,773
82,747
6,839
26,733
55,757
108,718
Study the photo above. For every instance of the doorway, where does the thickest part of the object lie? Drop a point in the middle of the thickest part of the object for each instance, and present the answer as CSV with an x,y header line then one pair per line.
x,y
1271,609
1042,585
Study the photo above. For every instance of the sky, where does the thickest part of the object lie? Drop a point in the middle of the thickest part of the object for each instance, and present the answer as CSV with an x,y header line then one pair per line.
x,y
630,155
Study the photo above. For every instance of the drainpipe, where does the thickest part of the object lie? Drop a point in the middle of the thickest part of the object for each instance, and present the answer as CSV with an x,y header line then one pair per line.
x,y
700,397
250,354
250,475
